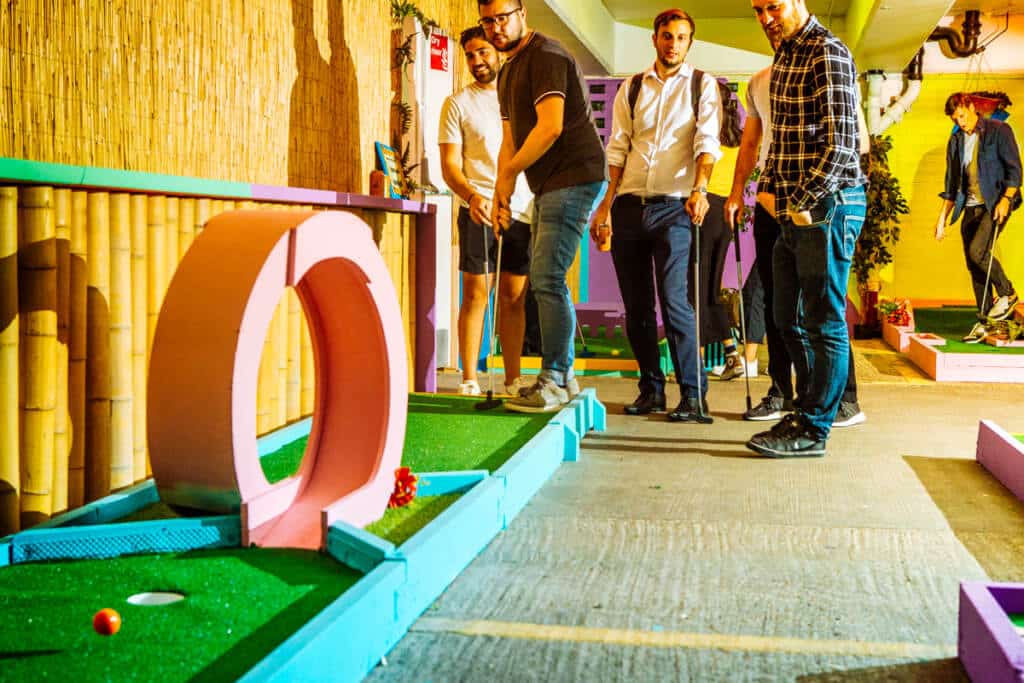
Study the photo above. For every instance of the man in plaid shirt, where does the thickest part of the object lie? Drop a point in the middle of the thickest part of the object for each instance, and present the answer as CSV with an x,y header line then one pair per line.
x,y
813,181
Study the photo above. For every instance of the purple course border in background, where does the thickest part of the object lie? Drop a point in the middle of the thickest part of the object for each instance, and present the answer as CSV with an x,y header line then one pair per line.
x,y
989,646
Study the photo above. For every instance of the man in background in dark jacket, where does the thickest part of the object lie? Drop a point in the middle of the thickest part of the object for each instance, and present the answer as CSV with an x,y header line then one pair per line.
x,y
983,177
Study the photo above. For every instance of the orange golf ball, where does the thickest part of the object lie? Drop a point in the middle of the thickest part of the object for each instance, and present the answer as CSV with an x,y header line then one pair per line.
x,y
106,622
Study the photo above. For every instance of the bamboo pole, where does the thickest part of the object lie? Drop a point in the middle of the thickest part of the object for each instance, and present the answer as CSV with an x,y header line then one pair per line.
x,y
122,442
294,363
77,348
171,235
61,433
10,466
37,266
281,361
186,226
97,366
203,214
308,369
264,388
157,274
139,328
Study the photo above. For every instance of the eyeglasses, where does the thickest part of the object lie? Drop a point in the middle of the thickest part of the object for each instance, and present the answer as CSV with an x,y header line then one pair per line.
x,y
498,19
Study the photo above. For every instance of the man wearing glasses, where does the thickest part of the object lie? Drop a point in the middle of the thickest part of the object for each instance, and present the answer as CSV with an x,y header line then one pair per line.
x,y
547,133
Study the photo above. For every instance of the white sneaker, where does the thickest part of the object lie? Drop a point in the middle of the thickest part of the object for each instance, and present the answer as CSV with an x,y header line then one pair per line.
x,y
1003,307
572,387
470,388
518,384
543,397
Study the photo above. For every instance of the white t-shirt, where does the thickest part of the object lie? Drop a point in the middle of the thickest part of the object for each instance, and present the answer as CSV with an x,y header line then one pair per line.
x,y
471,118
759,106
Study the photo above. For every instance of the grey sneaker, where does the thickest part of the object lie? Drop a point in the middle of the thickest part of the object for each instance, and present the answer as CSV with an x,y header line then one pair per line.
x,y
543,397
572,387
1002,308
976,334
849,414
770,408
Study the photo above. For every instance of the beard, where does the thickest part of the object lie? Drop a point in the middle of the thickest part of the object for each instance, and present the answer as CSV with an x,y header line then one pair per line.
x,y
670,64
510,45
485,76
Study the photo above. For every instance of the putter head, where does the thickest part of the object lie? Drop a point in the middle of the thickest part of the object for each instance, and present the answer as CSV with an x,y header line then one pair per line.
x,y
704,419
489,403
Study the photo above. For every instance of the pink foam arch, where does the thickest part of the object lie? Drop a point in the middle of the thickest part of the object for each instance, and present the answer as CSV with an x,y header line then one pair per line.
x,y
205,361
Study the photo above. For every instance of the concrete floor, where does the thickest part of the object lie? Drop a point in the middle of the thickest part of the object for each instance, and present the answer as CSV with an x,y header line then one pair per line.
x,y
672,553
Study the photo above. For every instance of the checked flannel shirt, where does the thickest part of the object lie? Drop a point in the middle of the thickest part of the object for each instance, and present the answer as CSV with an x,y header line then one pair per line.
x,y
814,96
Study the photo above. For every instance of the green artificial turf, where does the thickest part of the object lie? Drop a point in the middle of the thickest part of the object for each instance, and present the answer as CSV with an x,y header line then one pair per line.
x,y
952,323
398,525
1019,437
1017,619
443,434
240,604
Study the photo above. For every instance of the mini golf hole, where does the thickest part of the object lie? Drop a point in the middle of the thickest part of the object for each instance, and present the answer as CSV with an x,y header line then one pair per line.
x,y
155,598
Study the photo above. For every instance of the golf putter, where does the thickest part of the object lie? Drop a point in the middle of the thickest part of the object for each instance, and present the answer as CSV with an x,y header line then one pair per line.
x,y
743,315
996,229
490,402
701,417
585,353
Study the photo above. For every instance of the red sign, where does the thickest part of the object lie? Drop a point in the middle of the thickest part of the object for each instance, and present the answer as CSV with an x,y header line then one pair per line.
x,y
438,52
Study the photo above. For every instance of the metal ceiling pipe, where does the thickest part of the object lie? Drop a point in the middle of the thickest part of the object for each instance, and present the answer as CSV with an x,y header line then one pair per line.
x,y
965,45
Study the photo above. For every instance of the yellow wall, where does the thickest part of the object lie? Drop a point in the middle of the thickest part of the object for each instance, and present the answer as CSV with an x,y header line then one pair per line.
x,y
923,268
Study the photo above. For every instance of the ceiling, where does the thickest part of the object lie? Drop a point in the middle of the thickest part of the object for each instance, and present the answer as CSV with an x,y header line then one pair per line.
x,y
610,36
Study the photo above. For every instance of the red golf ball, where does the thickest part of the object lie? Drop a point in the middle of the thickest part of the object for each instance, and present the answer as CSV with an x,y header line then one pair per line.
x,y
106,622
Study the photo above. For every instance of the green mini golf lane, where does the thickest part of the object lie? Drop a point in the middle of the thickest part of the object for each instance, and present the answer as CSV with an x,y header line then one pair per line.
x,y
239,605
220,631
952,323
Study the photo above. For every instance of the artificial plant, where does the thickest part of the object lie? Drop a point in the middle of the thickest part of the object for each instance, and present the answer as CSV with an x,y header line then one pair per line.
x,y
886,203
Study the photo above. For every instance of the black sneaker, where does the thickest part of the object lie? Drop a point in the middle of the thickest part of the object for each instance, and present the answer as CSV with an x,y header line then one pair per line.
x,y
849,414
646,402
770,408
795,440
688,411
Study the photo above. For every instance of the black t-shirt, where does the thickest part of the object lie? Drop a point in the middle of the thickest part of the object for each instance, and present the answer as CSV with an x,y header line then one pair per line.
x,y
544,68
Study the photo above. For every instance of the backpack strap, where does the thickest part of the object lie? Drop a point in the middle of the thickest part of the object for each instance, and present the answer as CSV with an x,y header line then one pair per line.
x,y
633,94
695,87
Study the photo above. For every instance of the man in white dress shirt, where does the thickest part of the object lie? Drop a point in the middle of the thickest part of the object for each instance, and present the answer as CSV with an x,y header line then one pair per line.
x,y
660,158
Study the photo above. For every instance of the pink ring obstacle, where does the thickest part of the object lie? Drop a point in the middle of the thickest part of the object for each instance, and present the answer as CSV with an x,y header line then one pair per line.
x,y
205,361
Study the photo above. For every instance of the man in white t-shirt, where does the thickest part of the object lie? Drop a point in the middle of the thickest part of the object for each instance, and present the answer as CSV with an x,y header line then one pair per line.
x,y
470,137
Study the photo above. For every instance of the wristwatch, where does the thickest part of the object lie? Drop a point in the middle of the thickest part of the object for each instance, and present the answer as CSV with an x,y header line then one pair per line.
x,y
702,190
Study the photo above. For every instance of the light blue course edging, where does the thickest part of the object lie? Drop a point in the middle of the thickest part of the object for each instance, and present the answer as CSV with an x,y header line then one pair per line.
x,y
349,638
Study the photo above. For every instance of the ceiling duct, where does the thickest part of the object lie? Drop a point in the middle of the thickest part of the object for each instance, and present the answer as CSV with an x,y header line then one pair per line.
x,y
954,44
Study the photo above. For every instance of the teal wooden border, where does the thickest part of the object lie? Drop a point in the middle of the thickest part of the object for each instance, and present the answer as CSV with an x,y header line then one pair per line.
x,y
42,172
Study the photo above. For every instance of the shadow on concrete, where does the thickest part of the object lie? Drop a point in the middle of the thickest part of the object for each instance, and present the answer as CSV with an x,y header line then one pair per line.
x,y
938,671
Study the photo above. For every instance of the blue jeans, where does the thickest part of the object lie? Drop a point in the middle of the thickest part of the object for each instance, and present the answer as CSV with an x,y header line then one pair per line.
x,y
559,220
651,247
811,268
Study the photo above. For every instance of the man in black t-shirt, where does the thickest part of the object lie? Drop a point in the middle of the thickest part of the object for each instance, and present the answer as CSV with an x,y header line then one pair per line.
x,y
548,134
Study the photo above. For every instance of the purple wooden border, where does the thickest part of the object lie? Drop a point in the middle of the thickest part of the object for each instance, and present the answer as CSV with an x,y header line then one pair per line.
x,y
989,646
425,360
1002,455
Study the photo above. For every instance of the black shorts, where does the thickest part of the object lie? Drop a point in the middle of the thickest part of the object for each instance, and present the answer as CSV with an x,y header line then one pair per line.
x,y
515,250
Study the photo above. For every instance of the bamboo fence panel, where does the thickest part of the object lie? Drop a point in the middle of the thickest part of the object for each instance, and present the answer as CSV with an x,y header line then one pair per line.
x,y
156,244
186,226
122,419
10,466
171,235
265,387
139,274
293,406
77,346
217,207
97,367
37,266
308,370
61,430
